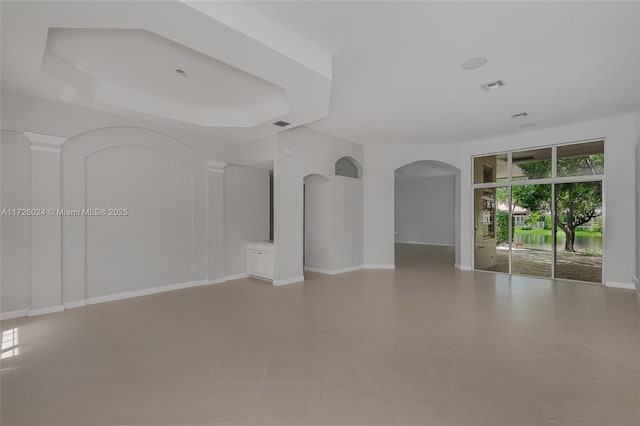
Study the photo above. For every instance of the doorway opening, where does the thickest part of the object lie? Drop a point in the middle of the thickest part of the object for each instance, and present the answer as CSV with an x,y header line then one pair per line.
x,y
427,217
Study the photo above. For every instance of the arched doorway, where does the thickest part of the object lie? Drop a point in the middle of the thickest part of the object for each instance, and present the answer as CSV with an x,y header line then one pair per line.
x,y
426,214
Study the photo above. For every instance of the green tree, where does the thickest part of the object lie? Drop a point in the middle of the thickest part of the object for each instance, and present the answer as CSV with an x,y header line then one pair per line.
x,y
576,203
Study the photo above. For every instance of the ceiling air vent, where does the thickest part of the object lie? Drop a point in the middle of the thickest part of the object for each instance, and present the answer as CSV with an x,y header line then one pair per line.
x,y
493,85
281,123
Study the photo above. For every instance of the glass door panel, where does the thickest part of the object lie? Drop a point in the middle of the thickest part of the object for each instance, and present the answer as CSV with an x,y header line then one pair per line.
x,y
490,252
579,231
532,247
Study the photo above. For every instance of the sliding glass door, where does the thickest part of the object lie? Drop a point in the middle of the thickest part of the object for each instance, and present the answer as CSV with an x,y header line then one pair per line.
x,y
539,212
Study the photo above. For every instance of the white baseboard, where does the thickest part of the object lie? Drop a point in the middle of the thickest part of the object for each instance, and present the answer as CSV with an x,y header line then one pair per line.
x,y
18,313
334,271
463,267
628,286
75,304
43,311
425,244
138,293
208,282
288,281
109,298
236,276
379,267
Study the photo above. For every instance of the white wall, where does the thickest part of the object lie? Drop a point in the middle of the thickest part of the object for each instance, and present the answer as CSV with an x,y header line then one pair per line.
x,y
424,210
318,223
301,152
638,207
246,214
347,232
15,193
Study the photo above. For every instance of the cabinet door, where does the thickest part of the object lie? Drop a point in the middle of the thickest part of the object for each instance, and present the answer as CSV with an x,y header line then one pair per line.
x,y
265,264
252,262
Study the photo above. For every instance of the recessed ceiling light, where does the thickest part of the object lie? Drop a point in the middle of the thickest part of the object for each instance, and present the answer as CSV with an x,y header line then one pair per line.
x,y
180,72
494,85
520,115
281,123
474,63
526,125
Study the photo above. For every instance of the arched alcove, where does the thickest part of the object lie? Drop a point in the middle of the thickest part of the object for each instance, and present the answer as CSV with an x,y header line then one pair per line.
x,y
157,186
348,167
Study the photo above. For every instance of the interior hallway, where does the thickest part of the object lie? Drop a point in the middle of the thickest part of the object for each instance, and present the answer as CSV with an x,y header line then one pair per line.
x,y
423,345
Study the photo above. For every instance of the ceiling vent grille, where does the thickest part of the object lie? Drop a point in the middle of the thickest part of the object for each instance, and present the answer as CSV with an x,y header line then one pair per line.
x,y
494,85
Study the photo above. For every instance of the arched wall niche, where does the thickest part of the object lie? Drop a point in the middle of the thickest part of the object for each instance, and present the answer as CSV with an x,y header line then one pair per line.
x,y
161,237
348,167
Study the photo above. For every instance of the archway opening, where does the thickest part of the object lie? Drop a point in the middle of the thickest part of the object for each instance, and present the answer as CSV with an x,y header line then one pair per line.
x,y
427,215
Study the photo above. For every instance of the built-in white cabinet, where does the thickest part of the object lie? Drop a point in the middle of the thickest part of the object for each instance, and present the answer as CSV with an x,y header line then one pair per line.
x,y
260,260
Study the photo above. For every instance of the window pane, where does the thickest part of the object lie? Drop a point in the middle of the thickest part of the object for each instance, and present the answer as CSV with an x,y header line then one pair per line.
x,y
491,251
532,234
581,159
579,231
531,164
490,168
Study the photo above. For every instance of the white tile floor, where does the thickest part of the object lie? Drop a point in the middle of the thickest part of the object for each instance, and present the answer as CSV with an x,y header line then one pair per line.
x,y
423,345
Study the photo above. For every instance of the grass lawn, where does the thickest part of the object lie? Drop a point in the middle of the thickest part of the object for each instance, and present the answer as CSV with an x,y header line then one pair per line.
x,y
548,232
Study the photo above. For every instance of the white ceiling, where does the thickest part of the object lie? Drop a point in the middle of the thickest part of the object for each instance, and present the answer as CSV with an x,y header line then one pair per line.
x,y
395,75
398,75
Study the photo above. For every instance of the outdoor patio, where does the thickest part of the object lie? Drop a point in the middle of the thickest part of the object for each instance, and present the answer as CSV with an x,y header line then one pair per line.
x,y
571,266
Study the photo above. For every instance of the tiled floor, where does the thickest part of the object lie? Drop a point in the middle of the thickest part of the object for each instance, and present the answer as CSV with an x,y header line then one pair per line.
x,y
422,345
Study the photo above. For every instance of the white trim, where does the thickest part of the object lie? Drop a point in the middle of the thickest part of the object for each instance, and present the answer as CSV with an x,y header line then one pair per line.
x,y
236,276
379,267
334,271
42,311
108,298
628,286
261,278
425,244
18,313
45,149
463,267
216,166
288,281
37,138
75,304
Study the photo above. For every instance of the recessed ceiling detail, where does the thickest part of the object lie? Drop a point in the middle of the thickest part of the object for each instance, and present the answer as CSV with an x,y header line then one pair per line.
x,y
131,69
213,67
